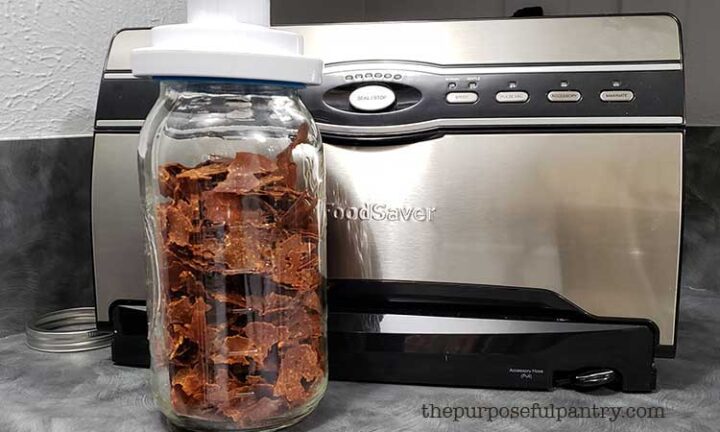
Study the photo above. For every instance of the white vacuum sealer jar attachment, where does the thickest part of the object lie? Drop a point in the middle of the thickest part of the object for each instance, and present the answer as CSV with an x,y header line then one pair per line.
x,y
229,39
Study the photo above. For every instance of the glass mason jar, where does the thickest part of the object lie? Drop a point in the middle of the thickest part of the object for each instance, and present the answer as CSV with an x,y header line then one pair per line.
x,y
233,180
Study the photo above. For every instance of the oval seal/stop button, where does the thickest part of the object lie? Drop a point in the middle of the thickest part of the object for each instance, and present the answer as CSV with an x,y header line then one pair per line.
x,y
372,98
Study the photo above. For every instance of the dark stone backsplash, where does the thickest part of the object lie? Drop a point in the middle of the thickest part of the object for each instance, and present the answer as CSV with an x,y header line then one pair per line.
x,y
45,243
701,252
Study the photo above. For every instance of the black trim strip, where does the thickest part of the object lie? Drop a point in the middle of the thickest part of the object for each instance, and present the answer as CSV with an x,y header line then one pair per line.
x,y
464,300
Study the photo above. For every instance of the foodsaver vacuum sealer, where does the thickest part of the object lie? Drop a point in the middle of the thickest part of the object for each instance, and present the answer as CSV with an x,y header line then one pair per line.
x,y
505,199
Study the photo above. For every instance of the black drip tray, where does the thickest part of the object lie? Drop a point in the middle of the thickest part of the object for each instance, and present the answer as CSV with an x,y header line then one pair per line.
x,y
465,352
493,353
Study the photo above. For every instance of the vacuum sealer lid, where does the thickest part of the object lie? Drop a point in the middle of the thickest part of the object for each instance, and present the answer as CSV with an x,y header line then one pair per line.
x,y
607,39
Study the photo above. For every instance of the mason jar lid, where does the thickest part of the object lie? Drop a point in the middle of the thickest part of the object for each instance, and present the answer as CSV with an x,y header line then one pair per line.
x,y
67,331
229,39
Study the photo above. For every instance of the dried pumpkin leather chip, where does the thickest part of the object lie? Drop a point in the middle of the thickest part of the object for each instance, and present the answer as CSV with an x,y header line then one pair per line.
x,y
197,330
297,364
249,172
178,331
182,403
216,332
228,209
263,390
229,298
198,323
286,166
255,380
295,274
245,183
192,333
162,219
189,284
265,335
192,260
273,303
168,179
308,278
190,380
261,410
271,366
297,264
240,184
234,350
281,197
179,225
173,269
204,172
221,208
239,350
228,389
251,163
304,325
208,251
225,389
248,249
180,311
189,190
312,301
228,395
238,344
183,350
301,211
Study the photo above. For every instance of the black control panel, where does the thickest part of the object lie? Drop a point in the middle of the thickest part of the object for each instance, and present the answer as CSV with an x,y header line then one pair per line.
x,y
380,97
383,97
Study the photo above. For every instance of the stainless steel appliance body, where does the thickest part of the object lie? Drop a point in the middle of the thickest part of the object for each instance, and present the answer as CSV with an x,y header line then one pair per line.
x,y
538,153
593,217
523,168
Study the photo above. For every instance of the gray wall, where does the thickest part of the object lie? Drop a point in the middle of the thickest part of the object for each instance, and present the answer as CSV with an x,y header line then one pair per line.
x,y
700,18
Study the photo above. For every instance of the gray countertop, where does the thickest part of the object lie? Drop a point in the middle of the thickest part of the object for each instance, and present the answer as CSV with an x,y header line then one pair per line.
x,y
86,393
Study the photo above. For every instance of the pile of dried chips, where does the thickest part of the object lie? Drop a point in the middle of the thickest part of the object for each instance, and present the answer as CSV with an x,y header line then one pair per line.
x,y
243,298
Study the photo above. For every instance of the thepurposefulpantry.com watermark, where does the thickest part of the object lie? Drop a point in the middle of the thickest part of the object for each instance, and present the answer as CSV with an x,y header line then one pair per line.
x,y
540,411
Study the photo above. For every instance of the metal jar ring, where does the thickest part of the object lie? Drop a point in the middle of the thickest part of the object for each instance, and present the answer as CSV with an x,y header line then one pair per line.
x,y
67,331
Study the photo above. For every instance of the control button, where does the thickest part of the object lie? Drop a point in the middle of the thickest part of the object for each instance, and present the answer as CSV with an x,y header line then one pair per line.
x,y
388,76
617,96
512,97
473,85
359,76
564,96
462,98
452,86
372,98
398,77
378,75
369,75
349,78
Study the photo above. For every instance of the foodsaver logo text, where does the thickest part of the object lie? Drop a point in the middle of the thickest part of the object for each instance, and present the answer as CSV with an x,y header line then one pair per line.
x,y
382,213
